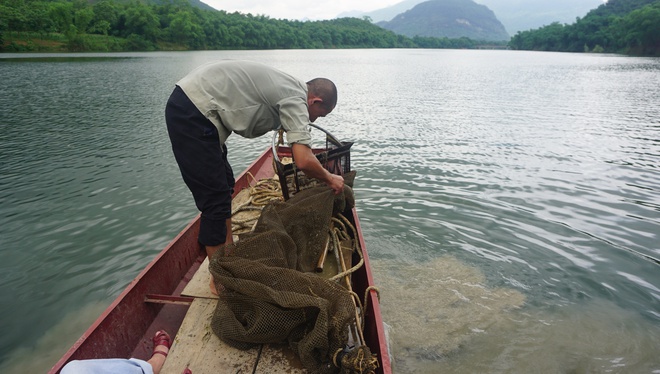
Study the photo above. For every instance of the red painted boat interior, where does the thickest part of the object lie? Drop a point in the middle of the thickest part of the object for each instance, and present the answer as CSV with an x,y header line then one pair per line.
x,y
152,301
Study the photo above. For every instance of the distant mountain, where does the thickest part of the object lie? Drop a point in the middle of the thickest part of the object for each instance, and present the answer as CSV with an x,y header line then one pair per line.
x,y
201,5
384,14
196,3
448,18
515,15
521,15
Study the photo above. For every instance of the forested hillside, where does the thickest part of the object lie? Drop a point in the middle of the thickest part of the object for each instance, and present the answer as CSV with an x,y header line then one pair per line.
x,y
109,25
114,26
618,26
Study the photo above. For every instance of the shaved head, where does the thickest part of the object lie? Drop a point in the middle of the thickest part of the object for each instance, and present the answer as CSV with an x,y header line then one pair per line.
x,y
325,89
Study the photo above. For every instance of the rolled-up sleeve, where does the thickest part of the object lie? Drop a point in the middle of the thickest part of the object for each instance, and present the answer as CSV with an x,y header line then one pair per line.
x,y
294,118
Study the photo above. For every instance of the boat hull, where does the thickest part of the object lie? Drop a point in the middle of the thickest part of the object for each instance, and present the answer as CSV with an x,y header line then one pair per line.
x,y
153,300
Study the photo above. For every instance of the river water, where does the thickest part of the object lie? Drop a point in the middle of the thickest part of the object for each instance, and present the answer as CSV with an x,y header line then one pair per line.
x,y
510,201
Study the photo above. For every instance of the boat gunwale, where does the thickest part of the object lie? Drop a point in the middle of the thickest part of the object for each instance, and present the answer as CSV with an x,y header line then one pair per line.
x,y
100,340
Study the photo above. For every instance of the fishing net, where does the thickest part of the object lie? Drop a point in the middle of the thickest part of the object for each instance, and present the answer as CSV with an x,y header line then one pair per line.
x,y
270,293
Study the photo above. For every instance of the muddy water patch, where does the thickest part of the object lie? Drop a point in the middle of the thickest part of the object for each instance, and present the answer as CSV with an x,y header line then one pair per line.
x,y
436,308
443,317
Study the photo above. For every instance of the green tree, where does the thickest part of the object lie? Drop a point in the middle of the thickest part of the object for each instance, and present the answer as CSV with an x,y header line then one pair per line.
x,y
61,14
135,42
142,22
185,30
82,19
643,27
3,27
628,26
105,18
236,36
13,19
215,31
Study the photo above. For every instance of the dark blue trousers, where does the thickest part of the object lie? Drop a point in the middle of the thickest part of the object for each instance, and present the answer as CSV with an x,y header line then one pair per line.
x,y
203,164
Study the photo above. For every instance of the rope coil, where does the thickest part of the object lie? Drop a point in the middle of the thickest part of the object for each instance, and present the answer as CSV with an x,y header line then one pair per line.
x,y
358,359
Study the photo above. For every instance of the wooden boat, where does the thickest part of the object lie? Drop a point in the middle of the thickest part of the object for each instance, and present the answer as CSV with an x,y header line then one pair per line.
x,y
154,300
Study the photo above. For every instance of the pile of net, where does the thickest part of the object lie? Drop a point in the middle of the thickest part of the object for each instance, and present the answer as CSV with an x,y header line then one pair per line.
x,y
270,293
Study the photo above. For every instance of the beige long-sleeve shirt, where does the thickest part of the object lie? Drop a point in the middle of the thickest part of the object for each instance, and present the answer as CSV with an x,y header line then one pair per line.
x,y
250,99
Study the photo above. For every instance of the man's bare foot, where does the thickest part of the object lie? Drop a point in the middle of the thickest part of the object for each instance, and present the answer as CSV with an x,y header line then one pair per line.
x,y
213,290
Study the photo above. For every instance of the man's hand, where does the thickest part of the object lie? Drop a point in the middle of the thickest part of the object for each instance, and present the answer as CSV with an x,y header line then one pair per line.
x,y
336,183
307,162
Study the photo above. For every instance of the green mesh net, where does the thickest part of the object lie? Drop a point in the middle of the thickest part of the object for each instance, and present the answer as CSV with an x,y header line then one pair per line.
x,y
270,293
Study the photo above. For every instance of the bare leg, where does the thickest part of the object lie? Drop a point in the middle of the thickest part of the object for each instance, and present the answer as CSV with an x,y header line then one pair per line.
x,y
211,249
157,361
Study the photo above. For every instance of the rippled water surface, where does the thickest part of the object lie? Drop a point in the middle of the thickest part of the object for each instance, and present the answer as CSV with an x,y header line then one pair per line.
x,y
509,200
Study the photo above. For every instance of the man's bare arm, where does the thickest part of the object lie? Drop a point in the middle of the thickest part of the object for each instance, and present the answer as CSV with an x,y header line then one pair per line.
x,y
307,162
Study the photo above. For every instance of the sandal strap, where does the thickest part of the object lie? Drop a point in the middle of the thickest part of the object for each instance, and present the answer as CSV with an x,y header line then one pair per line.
x,y
160,353
163,341
162,338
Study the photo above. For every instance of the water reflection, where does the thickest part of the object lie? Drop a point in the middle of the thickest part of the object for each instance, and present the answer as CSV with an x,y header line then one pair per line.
x,y
520,182
60,58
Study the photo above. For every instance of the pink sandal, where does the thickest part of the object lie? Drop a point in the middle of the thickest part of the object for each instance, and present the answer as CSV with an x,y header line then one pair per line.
x,y
161,338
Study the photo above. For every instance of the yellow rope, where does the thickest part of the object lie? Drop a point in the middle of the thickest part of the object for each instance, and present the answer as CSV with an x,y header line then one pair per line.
x,y
261,193
366,296
359,361
344,222
334,357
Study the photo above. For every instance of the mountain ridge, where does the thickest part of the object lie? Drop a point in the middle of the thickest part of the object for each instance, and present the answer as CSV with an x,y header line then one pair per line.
x,y
515,15
448,19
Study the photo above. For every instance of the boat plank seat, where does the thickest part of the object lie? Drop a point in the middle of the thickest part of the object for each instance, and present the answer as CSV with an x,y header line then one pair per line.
x,y
199,285
198,348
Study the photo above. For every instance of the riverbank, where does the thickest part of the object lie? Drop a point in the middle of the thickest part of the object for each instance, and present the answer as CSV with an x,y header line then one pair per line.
x,y
14,41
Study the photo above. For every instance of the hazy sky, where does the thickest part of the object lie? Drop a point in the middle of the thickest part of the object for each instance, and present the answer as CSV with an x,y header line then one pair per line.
x,y
298,9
